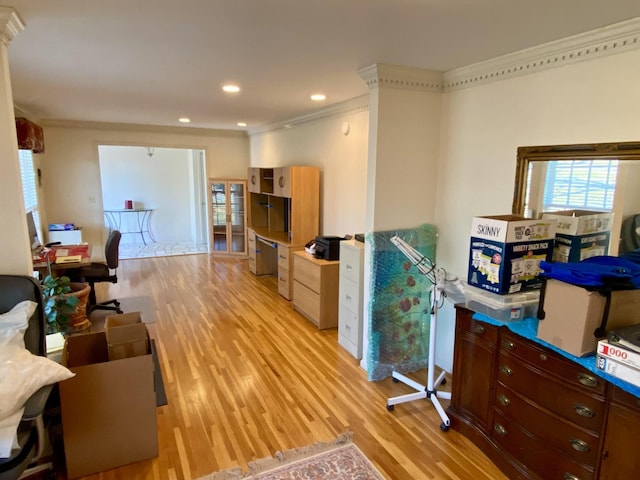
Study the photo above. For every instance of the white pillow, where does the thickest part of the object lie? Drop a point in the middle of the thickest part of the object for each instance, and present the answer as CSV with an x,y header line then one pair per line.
x,y
21,373
13,324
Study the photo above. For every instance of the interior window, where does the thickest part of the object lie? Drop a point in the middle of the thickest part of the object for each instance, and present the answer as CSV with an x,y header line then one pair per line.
x,y
580,184
29,187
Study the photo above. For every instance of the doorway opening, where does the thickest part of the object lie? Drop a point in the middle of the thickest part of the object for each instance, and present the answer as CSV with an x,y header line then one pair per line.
x,y
156,197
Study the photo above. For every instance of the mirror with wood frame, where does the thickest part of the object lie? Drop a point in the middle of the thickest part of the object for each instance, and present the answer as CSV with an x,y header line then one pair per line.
x,y
599,177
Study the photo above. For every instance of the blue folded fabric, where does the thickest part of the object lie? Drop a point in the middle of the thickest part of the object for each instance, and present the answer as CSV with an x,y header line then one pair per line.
x,y
615,273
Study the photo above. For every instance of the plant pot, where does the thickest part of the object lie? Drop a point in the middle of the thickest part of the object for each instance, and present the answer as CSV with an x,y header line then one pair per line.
x,y
78,319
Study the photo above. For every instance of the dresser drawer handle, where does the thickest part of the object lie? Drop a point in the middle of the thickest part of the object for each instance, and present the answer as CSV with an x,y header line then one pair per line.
x,y
479,329
504,400
506,370
584,411
500,430
282,257
508,344
348,297
543,357
349,267
579,445
570,476
587,380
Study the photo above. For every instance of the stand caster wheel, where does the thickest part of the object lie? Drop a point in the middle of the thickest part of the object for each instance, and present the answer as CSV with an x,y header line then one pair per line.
x,y
395,380
390,407
444,381
444,427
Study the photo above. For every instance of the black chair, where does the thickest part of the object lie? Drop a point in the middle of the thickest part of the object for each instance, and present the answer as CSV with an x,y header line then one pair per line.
x,y
31,436
102,272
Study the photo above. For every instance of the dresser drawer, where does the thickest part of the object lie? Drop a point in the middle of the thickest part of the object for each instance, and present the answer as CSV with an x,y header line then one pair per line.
x,y
551,393
306,301
552,363
349,294
578,443
284,283
485,331
546,461
252,264
284,257
350,262
307,273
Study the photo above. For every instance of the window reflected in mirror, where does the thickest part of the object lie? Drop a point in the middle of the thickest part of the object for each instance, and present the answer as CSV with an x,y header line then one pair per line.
x,y
592,177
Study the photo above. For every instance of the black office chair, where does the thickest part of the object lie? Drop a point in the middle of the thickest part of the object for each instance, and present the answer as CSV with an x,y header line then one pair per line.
x,y
13,290
102,272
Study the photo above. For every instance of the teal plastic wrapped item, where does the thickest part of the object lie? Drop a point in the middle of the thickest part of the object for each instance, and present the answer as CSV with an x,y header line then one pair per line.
x,y
399,307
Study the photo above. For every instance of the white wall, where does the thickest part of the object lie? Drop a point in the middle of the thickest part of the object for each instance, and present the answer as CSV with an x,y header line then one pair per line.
x,y
592,101
71,170
162,182
342,160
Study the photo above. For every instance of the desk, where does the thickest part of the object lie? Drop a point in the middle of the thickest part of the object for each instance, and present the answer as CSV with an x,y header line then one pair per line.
x,y
142,217
46,259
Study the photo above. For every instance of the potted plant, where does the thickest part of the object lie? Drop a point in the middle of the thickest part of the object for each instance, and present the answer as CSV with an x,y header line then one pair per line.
x,y
65,304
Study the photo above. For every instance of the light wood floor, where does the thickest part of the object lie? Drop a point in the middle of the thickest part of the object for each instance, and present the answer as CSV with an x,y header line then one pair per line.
x,y
247,376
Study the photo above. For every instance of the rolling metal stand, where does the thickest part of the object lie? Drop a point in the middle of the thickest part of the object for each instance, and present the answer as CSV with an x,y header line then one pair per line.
x,y
428,268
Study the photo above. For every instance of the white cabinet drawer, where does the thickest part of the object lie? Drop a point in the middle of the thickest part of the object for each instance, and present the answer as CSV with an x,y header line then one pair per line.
x,y
350,294
351,254
349,325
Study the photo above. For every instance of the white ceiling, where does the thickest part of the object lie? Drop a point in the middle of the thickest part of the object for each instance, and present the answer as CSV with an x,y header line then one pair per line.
x,y
152,61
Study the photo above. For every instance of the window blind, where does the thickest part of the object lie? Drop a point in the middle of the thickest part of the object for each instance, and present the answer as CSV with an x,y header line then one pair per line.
x,y
29,188
580,184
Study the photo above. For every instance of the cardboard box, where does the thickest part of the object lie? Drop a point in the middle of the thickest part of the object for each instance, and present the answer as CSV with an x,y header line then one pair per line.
x,y
506,251
619,370
108,408
580,234
127,336
572,314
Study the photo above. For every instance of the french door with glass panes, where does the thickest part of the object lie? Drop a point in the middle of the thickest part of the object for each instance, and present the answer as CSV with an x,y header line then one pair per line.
x,y
227,204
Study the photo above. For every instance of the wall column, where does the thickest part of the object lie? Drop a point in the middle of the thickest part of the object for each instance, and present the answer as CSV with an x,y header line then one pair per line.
x,y
404,132
15,249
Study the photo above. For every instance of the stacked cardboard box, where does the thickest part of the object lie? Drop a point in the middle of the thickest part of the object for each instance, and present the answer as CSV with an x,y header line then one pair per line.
x,y
580,234
109,407
506,251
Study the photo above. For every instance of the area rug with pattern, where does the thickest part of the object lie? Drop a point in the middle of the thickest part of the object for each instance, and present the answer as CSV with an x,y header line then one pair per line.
x,y
337,460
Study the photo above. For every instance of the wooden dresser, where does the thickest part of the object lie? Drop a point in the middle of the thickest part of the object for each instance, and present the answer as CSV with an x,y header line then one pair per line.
x,y
537,414
315,289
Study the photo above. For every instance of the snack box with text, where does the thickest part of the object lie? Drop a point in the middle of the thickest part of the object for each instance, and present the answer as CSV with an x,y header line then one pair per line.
x,y
506,251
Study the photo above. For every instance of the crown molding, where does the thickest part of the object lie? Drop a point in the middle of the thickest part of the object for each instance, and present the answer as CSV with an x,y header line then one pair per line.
x,y
381,75
354,105
10,24
133,127
615,38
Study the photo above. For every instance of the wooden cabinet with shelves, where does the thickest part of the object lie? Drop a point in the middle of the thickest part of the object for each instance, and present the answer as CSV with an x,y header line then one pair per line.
x,y
227,204
290,215
286,211
537,414
315,289
260,180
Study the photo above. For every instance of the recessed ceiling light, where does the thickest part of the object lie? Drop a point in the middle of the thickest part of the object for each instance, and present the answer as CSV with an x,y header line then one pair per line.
x,y
231,88
241,124
318,97
184,120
